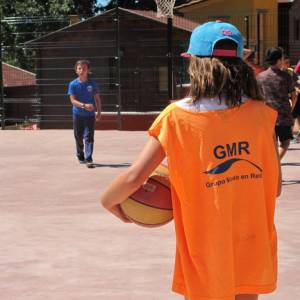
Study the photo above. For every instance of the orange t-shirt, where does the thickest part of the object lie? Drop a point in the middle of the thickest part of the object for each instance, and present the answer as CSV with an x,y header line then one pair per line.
x,y
224,175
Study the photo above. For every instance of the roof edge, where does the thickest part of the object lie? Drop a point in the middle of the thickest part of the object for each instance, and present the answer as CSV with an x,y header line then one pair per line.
x,y
17,68
132,11
193,2
162,20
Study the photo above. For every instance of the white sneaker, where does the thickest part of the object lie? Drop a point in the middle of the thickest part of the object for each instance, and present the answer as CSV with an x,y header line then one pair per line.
x,y
90,164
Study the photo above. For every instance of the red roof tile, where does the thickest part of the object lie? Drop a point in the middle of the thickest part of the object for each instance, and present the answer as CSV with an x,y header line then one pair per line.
x,y
13,76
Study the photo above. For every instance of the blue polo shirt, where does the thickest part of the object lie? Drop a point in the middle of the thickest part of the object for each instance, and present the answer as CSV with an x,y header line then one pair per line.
x,y
83,92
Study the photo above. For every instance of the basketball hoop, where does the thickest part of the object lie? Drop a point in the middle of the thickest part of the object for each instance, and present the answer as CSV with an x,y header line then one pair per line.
x,y
165,8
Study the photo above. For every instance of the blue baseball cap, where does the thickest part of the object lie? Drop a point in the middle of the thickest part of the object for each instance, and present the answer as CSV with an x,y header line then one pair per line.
x,y
205,37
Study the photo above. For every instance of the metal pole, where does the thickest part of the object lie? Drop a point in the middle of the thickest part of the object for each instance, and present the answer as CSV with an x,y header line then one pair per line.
x,y
170,57
118,65
1,80
247,31
258,38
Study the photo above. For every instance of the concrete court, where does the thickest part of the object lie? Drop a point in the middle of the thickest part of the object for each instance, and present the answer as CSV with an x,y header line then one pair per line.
x,y
56,241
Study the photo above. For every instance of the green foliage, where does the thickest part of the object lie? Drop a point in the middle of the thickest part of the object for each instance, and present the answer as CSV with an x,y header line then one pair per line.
x,y
25,20
137,4
48,7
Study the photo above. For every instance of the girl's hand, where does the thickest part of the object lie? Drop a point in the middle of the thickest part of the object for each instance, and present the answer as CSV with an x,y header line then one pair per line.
x,y
117,211
131,179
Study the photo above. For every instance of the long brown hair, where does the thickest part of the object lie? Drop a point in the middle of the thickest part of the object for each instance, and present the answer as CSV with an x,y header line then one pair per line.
x,y
226,77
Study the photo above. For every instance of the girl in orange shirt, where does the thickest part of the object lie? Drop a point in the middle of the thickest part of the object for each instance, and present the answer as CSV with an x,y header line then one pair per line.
x,y
224,174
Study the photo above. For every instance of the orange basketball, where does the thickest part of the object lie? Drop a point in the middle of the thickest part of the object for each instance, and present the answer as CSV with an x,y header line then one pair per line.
x,y
151,204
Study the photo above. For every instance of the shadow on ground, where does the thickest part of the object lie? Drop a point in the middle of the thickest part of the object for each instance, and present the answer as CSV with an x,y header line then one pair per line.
x,y
290,182
123,165
295,164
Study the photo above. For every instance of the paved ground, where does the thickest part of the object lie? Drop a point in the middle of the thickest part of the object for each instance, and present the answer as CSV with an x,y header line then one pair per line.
x,y
57,243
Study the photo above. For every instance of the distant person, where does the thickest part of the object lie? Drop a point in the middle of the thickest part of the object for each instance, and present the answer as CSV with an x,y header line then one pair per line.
x,y
86,101
224,172
286,66
296,109
278,88
249,57
297,68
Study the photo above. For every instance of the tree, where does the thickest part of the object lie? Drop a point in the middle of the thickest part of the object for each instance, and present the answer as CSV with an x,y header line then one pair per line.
x,y
22,21
136,4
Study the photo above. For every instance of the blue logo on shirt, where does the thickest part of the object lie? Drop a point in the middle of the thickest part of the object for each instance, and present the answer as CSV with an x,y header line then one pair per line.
x,y
229,150
223,167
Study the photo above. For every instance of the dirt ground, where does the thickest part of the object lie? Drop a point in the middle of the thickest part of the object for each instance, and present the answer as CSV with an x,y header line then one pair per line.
x,y
58,243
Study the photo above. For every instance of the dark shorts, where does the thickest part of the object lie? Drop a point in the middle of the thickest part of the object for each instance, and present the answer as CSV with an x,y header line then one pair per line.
x,y
284,133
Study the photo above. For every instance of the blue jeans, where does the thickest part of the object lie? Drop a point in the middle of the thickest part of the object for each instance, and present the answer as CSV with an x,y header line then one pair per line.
x,y
84,128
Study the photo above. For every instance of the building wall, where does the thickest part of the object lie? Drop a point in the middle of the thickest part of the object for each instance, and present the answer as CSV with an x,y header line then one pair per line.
x,y
267,12
284,26
131,122
294,32
20,103
110,121
235,11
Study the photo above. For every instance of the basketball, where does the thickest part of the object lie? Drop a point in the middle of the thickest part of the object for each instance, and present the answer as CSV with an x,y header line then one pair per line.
x,y
151,204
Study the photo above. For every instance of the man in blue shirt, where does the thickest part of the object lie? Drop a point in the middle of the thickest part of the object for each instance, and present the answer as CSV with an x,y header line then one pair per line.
x,y
86,101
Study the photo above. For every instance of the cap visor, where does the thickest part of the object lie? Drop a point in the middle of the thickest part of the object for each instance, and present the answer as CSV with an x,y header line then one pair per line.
x,y
224,53
185,55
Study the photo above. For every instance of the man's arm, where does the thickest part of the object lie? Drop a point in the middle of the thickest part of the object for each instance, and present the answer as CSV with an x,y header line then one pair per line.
x,y
98,106
75,102
292,91
260,86
293,97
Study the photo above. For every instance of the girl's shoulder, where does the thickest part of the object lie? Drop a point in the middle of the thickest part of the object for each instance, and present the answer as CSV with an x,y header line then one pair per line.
x,y
168,109
262,109
214,106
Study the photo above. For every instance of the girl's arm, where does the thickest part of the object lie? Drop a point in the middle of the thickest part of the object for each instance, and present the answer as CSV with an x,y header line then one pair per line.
x,y
279,166
130,180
